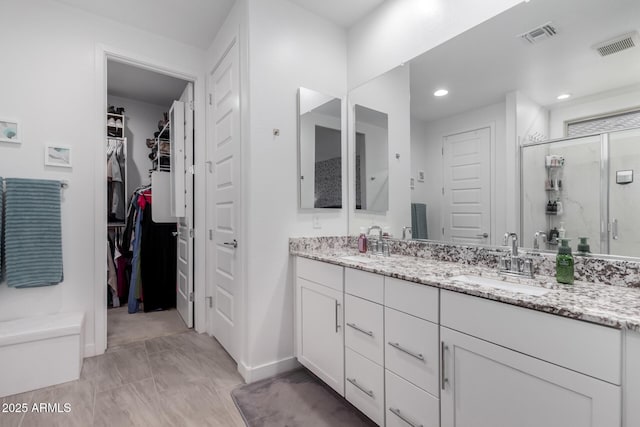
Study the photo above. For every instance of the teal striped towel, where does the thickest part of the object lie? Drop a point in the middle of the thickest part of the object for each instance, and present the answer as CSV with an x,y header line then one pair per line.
x,y
1,229
33,232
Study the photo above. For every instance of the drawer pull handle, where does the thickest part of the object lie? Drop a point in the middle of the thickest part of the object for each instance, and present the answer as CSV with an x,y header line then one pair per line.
x,y
404,350
337,322
359,387
443,371
359,329
398,414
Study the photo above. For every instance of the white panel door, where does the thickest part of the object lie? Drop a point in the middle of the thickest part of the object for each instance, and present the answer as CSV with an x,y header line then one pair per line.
x,y
467,187
224,199
486,385
184,279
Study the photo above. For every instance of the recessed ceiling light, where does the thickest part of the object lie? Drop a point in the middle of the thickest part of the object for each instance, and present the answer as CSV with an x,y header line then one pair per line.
x,y
564,96
440,92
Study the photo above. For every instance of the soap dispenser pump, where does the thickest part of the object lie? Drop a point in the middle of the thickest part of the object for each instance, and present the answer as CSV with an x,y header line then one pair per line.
x,y
564,263
583,246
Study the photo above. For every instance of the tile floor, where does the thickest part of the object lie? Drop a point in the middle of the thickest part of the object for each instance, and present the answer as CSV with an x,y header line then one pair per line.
x,y
178,380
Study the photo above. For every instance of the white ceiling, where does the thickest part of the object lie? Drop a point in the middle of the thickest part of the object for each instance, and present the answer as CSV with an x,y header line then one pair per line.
x,y
194,22
344,13
127,81
480,66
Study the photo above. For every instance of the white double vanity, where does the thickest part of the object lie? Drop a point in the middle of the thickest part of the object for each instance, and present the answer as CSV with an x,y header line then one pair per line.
x,y
445,353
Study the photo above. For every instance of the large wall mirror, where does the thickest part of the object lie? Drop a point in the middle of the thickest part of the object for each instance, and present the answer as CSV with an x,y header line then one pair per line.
x,y
475,101
319,150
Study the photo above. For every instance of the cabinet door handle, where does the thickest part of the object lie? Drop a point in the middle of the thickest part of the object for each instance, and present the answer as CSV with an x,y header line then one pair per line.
x,y
614,229
404,418
418,356
337,322
443,375
359,387
359,329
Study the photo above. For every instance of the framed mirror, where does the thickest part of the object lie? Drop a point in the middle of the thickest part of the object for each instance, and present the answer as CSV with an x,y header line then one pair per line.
x,y
537,72
319,150
371,159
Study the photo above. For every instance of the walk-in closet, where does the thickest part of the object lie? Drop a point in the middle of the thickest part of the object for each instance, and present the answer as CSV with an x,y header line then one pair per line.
x,y
149,148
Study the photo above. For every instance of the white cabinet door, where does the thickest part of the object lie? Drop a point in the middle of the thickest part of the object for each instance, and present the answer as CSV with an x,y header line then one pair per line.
x,y
321,332
485,385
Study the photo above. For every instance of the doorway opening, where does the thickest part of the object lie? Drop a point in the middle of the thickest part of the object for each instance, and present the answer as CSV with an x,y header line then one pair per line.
x,y
149,208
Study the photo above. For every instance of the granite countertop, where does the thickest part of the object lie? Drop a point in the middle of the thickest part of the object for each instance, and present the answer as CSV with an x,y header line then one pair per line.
x,y
613,306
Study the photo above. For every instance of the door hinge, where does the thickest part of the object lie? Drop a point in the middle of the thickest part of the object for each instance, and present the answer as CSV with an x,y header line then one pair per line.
x,y
210,299
190,296
191,105
191,233
210,234
443,231
443,191
210,99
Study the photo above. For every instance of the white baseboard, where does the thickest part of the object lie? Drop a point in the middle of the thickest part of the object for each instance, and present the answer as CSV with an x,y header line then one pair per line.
x,y
89,350
257,373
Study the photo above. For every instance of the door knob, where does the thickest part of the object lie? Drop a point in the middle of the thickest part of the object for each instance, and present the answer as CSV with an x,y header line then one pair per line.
x,y
175,233
484,235
234,243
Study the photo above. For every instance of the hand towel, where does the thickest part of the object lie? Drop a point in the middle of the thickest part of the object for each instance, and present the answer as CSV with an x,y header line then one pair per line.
x,y
33,232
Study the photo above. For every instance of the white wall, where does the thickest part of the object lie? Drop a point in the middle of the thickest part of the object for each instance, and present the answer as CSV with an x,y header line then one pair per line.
x,y
399,30
428,150
608,102
141,121
290,48
54,85
388,94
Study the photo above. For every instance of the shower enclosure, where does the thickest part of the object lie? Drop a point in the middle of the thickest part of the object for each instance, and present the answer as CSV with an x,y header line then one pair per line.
x,y
585,185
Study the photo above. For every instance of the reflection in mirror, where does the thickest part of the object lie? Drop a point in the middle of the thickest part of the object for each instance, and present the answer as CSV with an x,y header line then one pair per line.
x,y
504,79
371,159
584,188
319,150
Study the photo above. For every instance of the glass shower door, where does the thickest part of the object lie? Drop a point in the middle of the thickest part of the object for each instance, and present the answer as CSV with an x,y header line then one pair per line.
x,y
624,193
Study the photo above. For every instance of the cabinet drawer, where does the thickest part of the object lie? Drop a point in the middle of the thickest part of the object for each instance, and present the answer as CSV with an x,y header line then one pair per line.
x,y
364,327
364,284
411,349
418,300
364,385
584,347
320,272
407,405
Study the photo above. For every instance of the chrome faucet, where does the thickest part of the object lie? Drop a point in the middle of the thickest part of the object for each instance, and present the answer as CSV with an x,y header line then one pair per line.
x,y
375,227
378,246
514,243
404,232
536,239
513,264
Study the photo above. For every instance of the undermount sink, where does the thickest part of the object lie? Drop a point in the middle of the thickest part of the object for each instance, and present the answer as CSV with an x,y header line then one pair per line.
x,y
358,258
500,284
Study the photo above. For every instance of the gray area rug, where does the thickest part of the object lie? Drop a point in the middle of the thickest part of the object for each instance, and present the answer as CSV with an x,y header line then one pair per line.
x,y
295,399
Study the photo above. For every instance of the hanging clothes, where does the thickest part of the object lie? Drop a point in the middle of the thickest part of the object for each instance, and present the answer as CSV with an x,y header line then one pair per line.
x,y
116,160
158,263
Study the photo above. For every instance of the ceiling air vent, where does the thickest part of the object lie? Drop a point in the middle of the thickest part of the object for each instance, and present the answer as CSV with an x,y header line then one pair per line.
x,y
617,44
540,33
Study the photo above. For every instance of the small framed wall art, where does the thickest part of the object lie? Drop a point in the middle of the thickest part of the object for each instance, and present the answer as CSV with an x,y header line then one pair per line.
x,y
9,131
57,155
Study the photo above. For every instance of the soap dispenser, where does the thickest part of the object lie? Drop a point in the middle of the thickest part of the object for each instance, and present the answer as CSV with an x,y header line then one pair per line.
x,y
583,246
564,263
362,241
